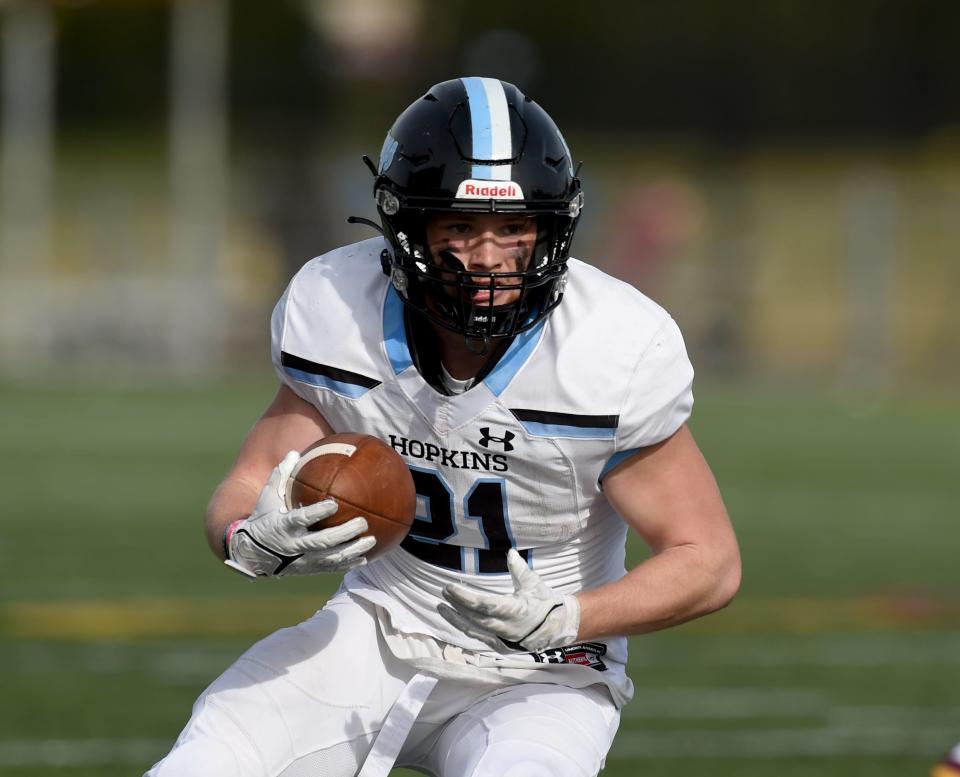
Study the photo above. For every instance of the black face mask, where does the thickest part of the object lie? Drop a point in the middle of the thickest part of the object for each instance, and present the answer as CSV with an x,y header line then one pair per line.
x,y
442,289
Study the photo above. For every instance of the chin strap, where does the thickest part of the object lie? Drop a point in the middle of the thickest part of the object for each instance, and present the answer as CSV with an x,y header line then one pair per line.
x,y
478,347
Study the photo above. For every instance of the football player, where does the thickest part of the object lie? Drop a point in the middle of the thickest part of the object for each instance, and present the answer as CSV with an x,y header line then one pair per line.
x,y
949,766
541,406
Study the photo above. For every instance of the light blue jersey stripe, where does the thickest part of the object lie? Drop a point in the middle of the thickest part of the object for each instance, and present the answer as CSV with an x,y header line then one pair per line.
x,y
616,459
395,333
350,390
557,430
515,357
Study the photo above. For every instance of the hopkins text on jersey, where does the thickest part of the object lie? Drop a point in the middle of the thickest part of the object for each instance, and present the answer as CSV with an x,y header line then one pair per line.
x,y
415,449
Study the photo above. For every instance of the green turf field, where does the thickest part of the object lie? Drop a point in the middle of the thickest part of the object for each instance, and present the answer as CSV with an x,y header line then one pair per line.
x,y
841,656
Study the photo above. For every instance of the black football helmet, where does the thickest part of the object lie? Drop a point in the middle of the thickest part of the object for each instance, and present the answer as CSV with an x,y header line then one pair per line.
x,y
476,144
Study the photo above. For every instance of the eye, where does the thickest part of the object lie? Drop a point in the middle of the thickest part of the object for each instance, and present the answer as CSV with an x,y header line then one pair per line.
x,y
455,228
515,228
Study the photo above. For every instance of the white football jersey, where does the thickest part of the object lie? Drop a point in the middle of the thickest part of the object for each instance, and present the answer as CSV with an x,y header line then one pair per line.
x,y
518,459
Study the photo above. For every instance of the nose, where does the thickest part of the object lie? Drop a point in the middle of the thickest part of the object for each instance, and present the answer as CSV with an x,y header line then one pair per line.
x,y
485,255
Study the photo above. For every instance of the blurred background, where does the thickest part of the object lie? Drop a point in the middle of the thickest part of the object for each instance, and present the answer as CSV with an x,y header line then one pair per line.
x,y
783,176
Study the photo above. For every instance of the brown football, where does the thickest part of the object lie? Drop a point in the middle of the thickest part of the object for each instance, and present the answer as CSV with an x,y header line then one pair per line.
x,y
366,476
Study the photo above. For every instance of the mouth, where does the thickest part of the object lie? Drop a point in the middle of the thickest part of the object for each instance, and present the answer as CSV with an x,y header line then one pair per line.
x,y
492,297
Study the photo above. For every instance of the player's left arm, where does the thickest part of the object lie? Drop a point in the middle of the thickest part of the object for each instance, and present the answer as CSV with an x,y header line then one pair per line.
x,y
668,495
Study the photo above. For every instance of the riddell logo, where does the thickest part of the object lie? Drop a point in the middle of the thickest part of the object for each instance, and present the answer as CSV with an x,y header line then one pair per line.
x,y
489,190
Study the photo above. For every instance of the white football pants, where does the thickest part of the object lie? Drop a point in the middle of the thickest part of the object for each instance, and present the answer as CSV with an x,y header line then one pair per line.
x,y
309,701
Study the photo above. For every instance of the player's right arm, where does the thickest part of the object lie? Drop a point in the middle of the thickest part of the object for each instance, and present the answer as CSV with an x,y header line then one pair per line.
x,y
288,424
248,523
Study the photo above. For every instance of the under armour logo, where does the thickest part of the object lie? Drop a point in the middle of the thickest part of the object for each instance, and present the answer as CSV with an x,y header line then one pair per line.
x,y
486,438
554,656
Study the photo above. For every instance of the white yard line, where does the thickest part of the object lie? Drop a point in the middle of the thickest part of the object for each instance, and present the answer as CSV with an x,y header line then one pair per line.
x,y
864,650
759,743
726,703
81,752
785,743
816,705
96,619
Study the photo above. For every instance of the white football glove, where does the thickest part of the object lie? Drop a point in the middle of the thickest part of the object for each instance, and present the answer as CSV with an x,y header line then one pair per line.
x,y
534,617
277,541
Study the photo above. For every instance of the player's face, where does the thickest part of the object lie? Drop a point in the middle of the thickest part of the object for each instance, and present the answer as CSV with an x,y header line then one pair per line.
x,y
486,243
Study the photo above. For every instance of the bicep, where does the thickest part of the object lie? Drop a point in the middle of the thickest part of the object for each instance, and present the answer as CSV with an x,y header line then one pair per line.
x,y
668,495
289,423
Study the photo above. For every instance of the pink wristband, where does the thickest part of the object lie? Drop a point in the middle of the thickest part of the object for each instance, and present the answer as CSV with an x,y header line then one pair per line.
x,y
228,535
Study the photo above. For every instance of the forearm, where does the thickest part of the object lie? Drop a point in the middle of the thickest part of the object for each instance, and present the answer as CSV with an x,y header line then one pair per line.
x,y
234,498
677,585
289,423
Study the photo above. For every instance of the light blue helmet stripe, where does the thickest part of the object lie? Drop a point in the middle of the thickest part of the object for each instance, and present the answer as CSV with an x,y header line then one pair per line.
x,y
490,126
387,152
480,119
